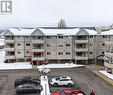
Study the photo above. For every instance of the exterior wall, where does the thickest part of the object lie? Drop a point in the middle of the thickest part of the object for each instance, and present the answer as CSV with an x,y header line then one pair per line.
x,y
108,62
59,45
91,51
53,45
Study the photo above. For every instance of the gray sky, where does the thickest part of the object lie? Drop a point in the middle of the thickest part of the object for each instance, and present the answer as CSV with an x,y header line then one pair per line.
x,y
33,13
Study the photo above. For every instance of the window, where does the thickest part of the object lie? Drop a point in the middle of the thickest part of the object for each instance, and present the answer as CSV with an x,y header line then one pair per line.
x,y
48,45
91,44
67,45
91,36
68,53
60,53
102,52
18,44
19,52
103,36
48,37
10,53
60,45
48,53
37,46
27,51
103,44
60,37
27,44
90,52
38,54
37,37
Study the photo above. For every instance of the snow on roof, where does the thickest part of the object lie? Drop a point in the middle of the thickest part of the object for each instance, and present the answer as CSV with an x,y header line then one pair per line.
x,y
110,32
91,32
28,31
59,31
21,31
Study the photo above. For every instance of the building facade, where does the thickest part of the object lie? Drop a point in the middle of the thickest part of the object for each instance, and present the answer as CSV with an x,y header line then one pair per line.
x,y
53,45
109,53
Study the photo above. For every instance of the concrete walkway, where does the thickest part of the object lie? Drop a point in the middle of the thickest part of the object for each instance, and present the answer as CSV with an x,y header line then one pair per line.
x,y
95,68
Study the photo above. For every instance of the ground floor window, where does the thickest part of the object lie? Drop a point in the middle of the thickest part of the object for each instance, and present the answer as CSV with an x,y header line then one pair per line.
x,y
9,61
109,70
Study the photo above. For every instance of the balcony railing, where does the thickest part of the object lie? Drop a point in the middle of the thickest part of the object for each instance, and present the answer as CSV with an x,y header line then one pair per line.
x,y
109,65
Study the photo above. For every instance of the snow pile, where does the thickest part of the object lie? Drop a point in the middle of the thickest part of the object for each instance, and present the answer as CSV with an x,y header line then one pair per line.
x,y
107,74
66,65
2,42
45,85
16,65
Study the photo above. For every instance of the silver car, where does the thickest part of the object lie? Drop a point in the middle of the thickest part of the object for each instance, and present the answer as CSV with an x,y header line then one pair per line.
x,y
28,88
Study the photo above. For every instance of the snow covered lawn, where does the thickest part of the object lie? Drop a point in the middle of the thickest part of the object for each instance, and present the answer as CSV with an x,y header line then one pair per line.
x,y
107,74
66,65
27,65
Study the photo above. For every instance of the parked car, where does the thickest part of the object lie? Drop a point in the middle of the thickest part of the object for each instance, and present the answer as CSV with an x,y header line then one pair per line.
x,y
28,88
72,92
27,79
62,80
56,93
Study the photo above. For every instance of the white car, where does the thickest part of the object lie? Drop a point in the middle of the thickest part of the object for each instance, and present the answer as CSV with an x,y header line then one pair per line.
x,y
62,80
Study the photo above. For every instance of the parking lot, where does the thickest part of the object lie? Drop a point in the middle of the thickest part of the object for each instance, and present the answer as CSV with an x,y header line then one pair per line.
x,y
83,77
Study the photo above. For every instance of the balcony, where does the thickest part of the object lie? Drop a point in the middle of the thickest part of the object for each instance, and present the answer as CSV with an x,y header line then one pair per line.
x,y
81,41
38,58
81,57
37,50
37,41
9,48
108,65
81,49
9,40
9,56
108,54
108,42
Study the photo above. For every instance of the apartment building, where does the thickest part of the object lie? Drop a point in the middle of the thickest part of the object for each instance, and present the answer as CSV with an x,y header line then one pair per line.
x,y
53,45
109,52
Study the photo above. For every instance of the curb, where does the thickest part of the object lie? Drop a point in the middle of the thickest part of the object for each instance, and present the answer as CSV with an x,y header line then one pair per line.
x,y
104,78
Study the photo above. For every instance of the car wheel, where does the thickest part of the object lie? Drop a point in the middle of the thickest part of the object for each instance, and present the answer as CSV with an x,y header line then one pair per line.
x,y
69,84
55,84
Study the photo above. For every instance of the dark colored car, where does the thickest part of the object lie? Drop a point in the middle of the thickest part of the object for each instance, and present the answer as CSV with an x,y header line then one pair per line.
x,y
28,88
27,79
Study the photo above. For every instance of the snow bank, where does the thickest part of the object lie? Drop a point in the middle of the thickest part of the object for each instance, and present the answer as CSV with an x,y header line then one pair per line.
x,y
16,65
45,85
66,65
107,74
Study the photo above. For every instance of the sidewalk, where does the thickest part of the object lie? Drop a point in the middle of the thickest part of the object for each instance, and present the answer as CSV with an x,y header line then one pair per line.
x,y
110,81
96,68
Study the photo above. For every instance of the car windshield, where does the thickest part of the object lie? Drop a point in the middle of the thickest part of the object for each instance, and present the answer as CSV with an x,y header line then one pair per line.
x,y
57,78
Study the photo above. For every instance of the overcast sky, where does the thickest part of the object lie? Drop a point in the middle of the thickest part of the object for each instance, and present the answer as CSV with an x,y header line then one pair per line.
x,y
33,13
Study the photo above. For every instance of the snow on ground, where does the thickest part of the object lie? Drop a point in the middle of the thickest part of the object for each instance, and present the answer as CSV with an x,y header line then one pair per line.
x,y
16,65
66,65
27,65
2,42
45,85
107,74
